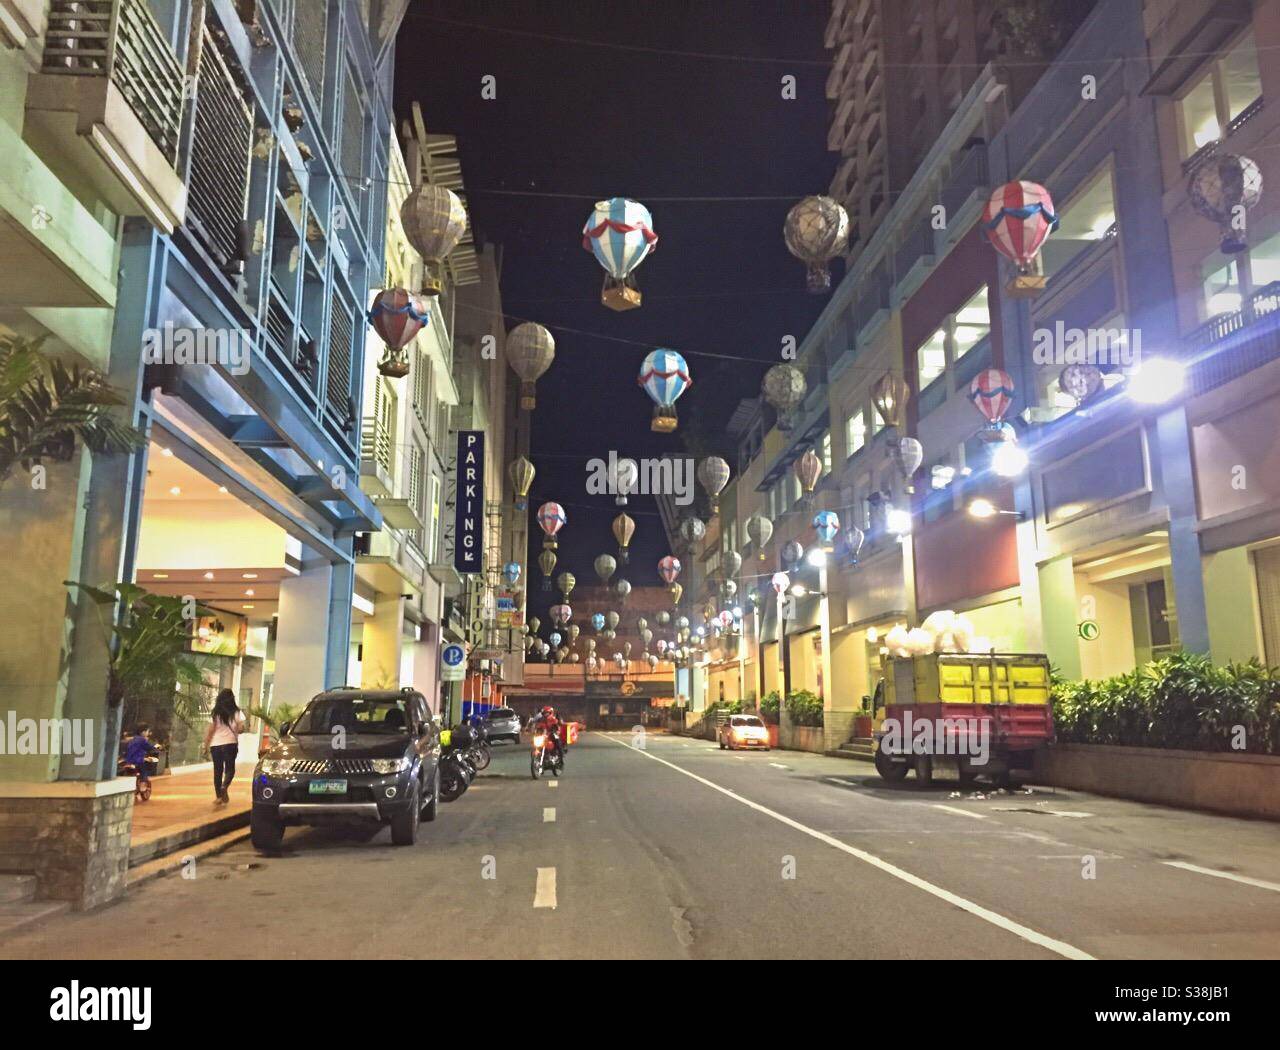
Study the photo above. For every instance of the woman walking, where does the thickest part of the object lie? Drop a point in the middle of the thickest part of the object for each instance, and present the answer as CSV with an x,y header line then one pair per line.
x,y
221,740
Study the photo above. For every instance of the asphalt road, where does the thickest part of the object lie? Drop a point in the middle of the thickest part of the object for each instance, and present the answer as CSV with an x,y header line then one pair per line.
x,y
679,850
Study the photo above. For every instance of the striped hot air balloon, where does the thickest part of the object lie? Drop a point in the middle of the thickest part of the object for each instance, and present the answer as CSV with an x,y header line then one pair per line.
x,y
669,568
619,233
826,523
397,316
1017,219
992,393
713,473
551,517
664,377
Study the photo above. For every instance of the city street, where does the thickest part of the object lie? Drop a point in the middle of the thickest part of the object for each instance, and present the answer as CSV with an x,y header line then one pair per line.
x,y
681,850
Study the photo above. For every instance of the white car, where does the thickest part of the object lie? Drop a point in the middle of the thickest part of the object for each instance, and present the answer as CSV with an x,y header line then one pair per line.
x,y
743,731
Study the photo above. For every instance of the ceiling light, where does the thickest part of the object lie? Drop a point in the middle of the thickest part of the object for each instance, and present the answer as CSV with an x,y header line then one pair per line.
x,y
175,491
166,452
208,576
159,575
222,489
248,592
248,575
249,606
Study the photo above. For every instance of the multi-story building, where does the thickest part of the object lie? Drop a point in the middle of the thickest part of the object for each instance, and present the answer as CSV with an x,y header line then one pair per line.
x,y
201,181
402,578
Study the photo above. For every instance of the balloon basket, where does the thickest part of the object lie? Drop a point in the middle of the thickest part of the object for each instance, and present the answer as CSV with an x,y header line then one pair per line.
x,y
528,402
664,420
431,282
394,364
818,279
1025,285
619,296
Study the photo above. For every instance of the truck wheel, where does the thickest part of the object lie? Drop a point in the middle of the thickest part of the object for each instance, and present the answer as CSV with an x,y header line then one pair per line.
x,y
924,770
265,832
404,825
890,772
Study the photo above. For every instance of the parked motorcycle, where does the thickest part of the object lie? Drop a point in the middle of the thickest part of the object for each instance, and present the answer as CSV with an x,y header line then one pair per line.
x,y
456,770
544,758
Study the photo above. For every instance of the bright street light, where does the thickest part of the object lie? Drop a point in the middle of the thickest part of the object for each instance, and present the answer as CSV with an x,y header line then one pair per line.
x,y
799,590
982,508
817,557
1156,380
898,520
1009,460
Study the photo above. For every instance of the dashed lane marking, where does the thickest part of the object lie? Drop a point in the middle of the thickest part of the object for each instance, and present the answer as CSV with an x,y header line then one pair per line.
x,y
1244,879
544,895
549,815
985,914
962,812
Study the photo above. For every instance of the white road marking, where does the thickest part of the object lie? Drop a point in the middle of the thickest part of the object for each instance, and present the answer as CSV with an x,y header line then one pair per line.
x,y
996,919
740,758
553,783
1261,884
1052,812
545,894
778,765
962,812
549,815
842,783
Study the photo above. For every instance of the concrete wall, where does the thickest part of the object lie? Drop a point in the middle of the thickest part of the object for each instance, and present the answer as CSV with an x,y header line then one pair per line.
x,y
1239,785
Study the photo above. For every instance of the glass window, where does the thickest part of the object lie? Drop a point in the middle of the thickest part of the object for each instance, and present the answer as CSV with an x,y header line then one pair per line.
x,y
1264,262
973,322
433,524
1241,84
855,432
1223,292
931,358
1086,219
877,421
826,452
1199,117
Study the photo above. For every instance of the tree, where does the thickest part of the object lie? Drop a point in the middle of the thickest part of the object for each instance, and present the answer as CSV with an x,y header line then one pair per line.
x,y
47,406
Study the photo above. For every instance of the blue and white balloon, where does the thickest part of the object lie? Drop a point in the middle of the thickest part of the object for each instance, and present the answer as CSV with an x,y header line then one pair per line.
x,y
511,573
826,523
664,377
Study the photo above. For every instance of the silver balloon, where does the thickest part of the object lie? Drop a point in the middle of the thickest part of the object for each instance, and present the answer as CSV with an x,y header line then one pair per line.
x,y
784,388
816,230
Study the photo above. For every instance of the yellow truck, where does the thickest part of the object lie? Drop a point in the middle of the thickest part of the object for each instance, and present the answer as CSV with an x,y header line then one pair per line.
x,y
978,714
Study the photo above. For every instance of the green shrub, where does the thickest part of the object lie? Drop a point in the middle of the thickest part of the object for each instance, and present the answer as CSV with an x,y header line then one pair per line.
x,y
769,707
804,708
1180,701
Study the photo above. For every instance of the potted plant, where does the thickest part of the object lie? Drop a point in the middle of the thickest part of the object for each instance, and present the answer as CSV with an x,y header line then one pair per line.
x,y
864,720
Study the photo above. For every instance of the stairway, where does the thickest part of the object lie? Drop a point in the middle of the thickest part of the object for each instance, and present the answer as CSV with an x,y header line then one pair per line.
x,y
860,747
18,904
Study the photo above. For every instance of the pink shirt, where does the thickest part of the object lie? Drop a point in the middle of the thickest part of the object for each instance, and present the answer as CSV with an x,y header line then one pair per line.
x,y
220,733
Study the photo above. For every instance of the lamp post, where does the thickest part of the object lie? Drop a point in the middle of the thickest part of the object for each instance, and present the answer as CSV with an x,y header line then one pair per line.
x,y
818,557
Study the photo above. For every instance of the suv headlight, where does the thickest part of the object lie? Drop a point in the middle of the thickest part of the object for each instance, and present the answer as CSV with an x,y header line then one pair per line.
x,y
276,767
383,766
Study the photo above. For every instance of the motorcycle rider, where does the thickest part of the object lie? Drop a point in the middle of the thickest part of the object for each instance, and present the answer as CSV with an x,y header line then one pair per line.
x,y
549,724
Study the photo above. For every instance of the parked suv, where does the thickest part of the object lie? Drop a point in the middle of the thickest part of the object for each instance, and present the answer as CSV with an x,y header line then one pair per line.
x,y
353,754
502,724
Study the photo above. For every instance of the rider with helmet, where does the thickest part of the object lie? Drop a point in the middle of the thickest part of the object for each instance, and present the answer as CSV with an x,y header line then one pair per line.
x,y
548,723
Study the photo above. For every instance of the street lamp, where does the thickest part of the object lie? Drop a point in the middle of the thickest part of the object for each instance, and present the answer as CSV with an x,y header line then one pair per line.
x,y
1009,460
898,521
984,508
1156,380
816,557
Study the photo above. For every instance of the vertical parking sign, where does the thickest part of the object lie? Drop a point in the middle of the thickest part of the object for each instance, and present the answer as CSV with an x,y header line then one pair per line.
x,y
468,546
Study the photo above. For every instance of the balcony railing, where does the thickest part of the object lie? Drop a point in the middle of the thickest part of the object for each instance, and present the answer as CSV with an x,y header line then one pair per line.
x,y
120,40
1231,345
375,443
1210,149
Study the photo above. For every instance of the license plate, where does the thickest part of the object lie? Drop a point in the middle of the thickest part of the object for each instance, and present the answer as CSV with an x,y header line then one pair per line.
x,y
327,787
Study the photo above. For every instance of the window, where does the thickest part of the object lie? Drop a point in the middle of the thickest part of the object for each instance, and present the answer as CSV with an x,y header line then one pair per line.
x,y
1229,279
1223,292
1226,89
877,421
826,452
433,519
959,334
855,432
1086,219
931,358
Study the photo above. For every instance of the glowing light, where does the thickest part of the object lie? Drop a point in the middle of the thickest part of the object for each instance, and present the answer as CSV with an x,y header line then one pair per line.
x,y
982,508
1156,380
1008,460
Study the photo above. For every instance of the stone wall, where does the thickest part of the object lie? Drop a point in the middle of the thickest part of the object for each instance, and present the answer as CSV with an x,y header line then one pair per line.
x,y
77,846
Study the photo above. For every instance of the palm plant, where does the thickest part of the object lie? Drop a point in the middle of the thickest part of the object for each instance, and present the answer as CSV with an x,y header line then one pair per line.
x,y
149,647
47,406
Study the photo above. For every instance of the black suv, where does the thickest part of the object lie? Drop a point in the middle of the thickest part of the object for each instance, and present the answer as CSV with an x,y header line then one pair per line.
x,y
353,754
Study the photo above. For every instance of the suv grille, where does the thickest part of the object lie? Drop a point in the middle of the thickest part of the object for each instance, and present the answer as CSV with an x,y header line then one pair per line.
x,y
331,765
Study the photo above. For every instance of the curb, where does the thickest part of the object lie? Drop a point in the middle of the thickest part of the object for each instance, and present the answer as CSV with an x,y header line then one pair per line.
x,y
171,862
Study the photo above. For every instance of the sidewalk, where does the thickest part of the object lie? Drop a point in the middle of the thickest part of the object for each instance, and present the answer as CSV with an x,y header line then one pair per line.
x,y
182,812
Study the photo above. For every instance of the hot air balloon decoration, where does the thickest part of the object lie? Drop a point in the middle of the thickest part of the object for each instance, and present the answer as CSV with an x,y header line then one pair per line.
x,y
677,592
853,540
808,469
1017,219
663,618
511,573
780,581
561,614
815,232
784,388
619,233
713,475
730,565
890,396
992,393
664,377
397,317
1223,189
692,530
826,523
669,569
530,351
662,645
547,563
622,588
624,528
652,661
551,518
534,624
1080,382
597,621
521,473
434,221
612,619
907,454
566,581
605,567
623,478
555,639
574,631
792,552
759,531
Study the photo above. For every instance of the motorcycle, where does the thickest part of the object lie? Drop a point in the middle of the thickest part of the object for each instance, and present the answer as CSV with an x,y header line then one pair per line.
x,y
456,771
479,753
543,758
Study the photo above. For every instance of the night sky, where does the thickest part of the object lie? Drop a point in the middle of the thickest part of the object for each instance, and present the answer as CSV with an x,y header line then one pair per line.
x,y
617,104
